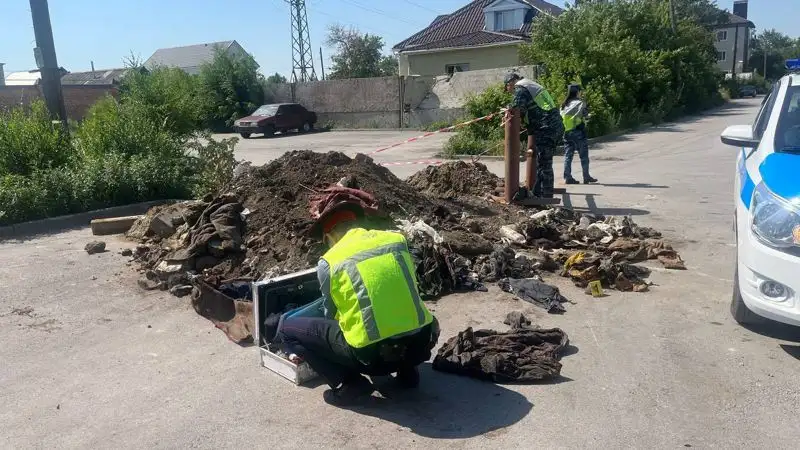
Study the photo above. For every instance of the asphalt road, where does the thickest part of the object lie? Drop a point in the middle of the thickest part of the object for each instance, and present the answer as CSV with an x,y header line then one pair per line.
x,y
89,360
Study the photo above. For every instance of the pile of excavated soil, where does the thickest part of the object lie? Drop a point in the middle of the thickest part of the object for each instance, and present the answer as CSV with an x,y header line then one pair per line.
x,y
275,200
455,179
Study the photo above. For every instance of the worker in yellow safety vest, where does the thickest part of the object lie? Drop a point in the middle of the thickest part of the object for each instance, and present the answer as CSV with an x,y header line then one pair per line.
x,y
375,322
575,113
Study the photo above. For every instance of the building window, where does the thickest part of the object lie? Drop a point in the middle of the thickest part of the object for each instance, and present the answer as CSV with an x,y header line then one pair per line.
x,y
722,56
453,68
722,35
506,20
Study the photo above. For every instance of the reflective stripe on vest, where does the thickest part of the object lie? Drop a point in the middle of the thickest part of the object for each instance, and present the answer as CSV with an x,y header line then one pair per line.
x,y
572,122
541,97
367,267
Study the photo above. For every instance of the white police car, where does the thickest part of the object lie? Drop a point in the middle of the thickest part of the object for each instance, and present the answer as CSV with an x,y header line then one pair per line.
x,y
767,196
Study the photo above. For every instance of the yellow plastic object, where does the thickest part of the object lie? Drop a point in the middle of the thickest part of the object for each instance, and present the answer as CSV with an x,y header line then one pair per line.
x,y
596,288
574,259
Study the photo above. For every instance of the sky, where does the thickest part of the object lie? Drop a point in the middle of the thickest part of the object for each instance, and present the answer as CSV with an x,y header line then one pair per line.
x,y
108,32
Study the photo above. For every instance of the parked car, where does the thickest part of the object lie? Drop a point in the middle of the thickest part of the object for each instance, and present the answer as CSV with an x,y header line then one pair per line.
x,y
748,91
767,214
269,119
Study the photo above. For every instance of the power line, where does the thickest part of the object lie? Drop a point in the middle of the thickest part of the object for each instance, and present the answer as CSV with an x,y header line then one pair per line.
x,y
378,11
345,22
421,6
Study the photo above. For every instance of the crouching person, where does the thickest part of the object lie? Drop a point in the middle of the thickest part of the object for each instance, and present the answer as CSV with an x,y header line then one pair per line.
x,y
375,322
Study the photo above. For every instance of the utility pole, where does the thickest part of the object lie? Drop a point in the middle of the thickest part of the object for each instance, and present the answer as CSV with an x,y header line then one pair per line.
x,y
45,54
321,64
765,62
302,54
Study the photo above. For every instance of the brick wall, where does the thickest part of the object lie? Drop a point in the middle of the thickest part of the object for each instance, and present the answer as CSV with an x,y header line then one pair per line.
x,y
77,99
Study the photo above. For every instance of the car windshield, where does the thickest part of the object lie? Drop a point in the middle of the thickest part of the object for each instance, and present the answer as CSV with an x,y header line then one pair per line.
x,y
266,110
787,134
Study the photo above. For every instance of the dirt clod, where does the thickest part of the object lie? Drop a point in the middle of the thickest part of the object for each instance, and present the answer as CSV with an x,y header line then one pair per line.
x,y
95,247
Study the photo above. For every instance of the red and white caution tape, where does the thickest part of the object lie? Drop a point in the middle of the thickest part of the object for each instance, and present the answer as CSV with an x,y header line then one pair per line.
x,y
431,133
427,162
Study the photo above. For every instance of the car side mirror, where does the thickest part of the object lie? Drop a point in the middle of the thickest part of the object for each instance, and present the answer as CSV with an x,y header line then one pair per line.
x,y
739,136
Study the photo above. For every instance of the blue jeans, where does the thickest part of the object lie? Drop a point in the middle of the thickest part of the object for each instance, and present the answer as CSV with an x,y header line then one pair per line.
x,y
575,140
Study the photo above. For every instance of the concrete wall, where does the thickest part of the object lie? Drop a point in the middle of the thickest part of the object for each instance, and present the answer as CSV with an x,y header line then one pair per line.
x,y
392,102
355,103
442,98
77,99
433,64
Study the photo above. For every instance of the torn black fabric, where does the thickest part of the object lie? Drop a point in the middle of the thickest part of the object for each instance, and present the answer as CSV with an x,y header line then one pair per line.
x,y
536,292
519,355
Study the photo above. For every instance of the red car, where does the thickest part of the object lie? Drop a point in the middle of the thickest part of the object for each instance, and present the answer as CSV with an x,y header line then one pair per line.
x,y
268,119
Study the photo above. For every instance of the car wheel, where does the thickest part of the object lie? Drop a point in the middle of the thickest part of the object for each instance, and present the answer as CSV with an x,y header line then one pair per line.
x,y
307,127
740,312
245,135
269,130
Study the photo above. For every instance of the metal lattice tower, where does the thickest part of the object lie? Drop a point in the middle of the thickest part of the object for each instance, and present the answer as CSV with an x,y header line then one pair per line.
x,y
302,56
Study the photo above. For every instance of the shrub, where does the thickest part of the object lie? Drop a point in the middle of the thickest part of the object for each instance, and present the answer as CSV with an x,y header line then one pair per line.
x,y
122,153
438,125
231,88
168,96
213,164
466,144
30,141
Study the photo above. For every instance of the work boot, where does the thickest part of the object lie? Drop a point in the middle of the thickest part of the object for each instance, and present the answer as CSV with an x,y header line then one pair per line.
x,y
588,180
408,378
349,393
571,181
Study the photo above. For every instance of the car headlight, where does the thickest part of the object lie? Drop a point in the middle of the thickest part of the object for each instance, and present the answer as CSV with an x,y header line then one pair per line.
x,y
776,221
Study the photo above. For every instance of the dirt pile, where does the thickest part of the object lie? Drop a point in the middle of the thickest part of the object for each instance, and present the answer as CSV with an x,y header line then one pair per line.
x,y
455,179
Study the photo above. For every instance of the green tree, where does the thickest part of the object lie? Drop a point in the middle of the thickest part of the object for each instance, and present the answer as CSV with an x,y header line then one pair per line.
x,y
276,78
778,47
633,67
358,55
388,66
231,87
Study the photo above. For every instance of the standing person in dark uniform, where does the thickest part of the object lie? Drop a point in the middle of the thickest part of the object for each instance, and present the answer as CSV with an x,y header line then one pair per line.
x,y
544,125
575,113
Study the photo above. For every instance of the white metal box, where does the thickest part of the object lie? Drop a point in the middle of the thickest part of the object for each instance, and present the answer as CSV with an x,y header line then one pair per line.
x,y
272,296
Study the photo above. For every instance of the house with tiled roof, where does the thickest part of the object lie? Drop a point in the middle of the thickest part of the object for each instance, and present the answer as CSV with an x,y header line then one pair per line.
x,y
733,40
484,34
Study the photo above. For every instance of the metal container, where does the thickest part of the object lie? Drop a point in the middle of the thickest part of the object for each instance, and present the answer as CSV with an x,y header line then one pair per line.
x,y
273,296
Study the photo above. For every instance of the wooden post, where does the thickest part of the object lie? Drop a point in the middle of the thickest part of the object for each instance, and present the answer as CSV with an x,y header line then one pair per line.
x,y
512,150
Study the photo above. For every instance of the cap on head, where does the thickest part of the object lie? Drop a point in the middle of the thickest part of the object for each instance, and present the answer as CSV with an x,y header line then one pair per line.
x,y
337,215
511,76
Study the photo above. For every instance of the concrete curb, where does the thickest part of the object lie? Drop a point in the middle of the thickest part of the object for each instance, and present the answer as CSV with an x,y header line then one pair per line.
x,y
74,221
114,225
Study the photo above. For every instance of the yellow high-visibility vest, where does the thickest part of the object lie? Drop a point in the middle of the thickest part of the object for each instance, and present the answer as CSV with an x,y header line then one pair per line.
x,y
374,288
